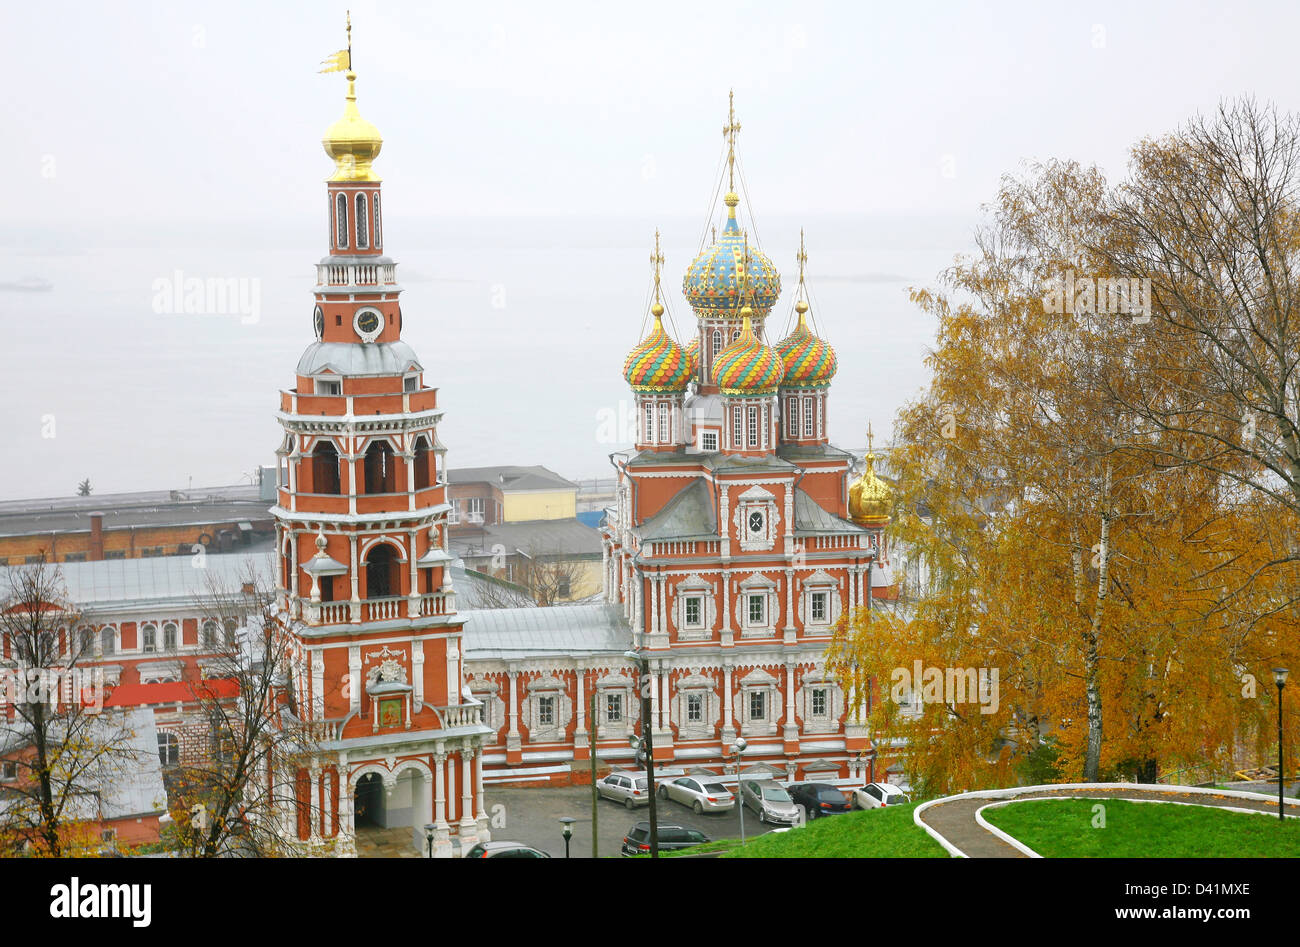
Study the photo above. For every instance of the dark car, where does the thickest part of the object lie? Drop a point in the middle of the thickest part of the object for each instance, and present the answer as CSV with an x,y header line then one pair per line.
x,y
671,838
818,799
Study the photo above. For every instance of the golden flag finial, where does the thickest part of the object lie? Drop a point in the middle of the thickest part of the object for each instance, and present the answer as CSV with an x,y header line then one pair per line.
x,y
342,60
729,132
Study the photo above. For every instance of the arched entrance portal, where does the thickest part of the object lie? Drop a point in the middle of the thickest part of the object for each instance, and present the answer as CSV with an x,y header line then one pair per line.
x,y
371,811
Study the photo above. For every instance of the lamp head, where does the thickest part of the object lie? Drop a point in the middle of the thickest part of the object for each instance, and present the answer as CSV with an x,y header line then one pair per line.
x,y
1280,676
740,745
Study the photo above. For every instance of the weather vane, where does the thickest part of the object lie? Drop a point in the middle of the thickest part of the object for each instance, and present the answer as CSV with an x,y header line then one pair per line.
x,y
729,132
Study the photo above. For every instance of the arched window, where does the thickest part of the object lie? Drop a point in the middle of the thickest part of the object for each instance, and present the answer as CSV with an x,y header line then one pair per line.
x,y
86,641
149,639
169,637
108,640
209,634
423,463
45,649
230,626
717,341
381,469
325,468
341,222
169,749
381,572
363,235
379,239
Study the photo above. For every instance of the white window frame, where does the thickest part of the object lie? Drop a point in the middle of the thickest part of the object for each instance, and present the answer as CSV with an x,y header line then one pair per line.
x,y
363,219
809,410
792,416
709,441
752,439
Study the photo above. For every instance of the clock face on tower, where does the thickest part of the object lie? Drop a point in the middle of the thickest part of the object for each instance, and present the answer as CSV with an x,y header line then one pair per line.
x,y
368,322
318,320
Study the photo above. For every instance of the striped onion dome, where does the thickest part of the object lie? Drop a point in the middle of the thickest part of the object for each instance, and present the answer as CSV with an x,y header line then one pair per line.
x,y
809,362
693,355
657,363
713,282
747,366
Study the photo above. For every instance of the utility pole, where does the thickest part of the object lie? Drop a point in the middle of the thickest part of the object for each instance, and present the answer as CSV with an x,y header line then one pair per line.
x,y
595,796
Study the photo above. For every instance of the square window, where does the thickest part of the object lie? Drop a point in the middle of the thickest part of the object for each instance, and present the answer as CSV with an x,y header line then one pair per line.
x,y
328,387
411,383
694,611
757,705
709,441
9,770
694,708
756,610
819,606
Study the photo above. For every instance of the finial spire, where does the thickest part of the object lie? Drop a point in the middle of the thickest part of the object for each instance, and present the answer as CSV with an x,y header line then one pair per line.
x,y
801,303
729,132
870,452
657,261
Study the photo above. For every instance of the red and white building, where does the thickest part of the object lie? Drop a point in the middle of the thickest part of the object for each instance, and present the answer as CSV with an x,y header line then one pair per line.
x,y
361,541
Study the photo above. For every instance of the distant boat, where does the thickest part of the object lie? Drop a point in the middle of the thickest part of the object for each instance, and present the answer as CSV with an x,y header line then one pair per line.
x,y
28,284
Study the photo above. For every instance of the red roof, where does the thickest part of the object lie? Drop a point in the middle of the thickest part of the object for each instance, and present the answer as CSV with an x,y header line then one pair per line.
x,y
169,692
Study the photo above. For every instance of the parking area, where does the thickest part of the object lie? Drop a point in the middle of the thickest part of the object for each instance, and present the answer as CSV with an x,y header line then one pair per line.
x,y
533,816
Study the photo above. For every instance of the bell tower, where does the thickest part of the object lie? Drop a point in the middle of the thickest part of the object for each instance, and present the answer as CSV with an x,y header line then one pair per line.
x,y
361,540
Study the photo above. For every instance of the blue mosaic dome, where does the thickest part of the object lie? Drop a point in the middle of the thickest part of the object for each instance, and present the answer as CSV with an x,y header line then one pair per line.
x,y
712,284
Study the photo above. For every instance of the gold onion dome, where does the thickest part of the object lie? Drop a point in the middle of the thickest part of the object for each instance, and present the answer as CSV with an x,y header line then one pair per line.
x,y
871,500
657,363
352,141
716,279
809,362
747,366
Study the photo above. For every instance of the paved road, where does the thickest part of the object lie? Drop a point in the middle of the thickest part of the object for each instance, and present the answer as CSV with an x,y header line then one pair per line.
x,y
533,816
955,819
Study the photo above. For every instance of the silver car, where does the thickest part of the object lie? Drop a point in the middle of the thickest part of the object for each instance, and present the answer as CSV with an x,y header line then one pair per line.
x,y
701,793
770,801
631,789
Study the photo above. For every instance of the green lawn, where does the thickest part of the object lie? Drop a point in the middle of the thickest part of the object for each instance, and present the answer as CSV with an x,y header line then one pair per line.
x,y
1063,828
875,833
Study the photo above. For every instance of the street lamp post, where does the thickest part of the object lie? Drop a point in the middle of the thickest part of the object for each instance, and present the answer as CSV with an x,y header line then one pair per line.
x,y
739,749
428,835
1279,678
646,744
568,832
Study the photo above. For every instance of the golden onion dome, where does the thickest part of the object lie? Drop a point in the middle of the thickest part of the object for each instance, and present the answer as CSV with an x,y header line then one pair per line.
x,y
352,141
871,500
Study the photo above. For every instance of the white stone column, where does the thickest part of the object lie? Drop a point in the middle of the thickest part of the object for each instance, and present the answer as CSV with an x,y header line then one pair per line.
x,y
480,812
726,610
453,671
513,741
791,728
654,603
468,825
664,698
356,580
441,830
318,685
728,720
580,730
789,607
417,672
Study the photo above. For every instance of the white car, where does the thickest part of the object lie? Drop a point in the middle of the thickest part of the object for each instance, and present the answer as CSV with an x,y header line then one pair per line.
x,y
878,796
631,789
701,793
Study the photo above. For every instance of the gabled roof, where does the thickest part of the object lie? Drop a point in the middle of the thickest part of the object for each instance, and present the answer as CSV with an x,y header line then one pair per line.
x,y
546,539
688,515
810,518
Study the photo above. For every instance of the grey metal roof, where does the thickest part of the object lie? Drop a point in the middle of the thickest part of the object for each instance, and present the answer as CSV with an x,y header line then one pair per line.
x,y
511,477
545,538
688,515
811,517
157,579
359,358
559,630
125,510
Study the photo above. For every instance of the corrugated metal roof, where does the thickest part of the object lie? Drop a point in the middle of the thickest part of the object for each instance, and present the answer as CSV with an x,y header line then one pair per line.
x,y
688,515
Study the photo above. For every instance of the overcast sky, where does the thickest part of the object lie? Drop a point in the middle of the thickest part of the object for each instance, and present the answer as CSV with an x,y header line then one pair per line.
x,y
193,111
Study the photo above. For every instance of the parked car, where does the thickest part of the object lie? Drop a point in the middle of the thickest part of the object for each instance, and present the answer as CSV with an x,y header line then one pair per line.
x,y
879,795
769,800
504,850
703,794
671,838
631,789
818,799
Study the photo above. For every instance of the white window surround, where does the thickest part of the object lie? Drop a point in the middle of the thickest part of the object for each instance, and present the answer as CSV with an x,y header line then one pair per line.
x,y
829,721
705,690
756,500
758,584
487,692
820,581
709,439
690,587
621,685
554,688
761,681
